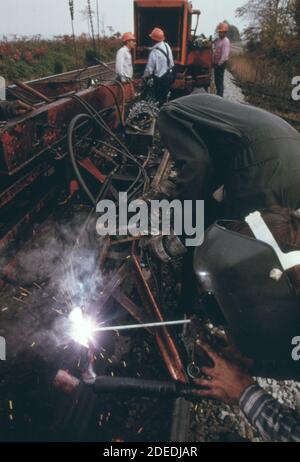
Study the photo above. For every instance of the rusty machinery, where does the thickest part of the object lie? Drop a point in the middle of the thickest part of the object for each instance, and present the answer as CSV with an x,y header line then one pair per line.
x,y
73,120
193,54
33,148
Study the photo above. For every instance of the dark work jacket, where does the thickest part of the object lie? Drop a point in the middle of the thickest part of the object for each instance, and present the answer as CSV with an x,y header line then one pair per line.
x,y
216,142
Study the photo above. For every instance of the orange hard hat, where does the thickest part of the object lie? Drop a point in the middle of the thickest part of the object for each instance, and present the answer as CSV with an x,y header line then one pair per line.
x,y
128,36
157,35
223,27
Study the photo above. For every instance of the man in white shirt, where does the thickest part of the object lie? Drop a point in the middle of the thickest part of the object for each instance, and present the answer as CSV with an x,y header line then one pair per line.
x,y
160,66
124,67
221,57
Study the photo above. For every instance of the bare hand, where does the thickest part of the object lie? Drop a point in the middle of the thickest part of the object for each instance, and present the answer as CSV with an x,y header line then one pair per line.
x,y
228,351
225,382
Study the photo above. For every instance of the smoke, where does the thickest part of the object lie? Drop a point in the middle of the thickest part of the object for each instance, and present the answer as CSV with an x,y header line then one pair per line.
x,y
59,271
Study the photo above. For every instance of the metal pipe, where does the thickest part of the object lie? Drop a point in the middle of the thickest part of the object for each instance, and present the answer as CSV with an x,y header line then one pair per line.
x,y
161,170
164,339
34,92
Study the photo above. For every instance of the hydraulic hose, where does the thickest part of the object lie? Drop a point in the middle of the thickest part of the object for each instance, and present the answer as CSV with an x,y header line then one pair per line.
x,y
125,385
96,117
76,169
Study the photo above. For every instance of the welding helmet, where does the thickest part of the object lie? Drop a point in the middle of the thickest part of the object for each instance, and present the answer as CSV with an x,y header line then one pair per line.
x,y
247,280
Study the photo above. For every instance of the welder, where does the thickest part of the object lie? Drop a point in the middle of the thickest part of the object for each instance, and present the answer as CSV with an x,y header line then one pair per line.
x,y
250,155
250,271
10,109
124,66
160,66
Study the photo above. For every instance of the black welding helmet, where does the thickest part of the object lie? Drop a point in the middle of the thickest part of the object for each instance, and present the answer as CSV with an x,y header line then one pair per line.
x,y
247,279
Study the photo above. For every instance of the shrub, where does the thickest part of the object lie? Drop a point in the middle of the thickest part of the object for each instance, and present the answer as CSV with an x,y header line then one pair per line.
x,y
33,57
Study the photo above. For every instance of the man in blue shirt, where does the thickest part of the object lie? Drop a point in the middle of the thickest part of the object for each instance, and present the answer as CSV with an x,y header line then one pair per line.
x,y
160,66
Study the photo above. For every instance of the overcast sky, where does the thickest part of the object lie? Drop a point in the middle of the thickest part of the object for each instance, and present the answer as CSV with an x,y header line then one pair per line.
x,y
51,17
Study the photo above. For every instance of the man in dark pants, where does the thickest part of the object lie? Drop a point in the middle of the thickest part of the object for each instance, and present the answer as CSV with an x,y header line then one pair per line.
x,y
221,56
160,66
254,154
219,78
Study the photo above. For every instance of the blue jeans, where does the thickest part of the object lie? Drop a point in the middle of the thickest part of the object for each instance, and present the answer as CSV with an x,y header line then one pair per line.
x,y
219,78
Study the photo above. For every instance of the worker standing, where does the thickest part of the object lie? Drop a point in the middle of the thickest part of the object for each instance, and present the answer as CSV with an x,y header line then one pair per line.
x,y
160,66
221,56
124,66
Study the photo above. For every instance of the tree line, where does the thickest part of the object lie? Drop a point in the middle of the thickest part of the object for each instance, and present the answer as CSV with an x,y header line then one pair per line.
x,y
274,28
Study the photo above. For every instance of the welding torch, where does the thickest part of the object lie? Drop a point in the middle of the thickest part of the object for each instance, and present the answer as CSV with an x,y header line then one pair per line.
x,y
68,384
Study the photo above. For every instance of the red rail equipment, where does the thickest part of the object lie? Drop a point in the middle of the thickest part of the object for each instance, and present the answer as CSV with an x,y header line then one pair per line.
x,y
192,54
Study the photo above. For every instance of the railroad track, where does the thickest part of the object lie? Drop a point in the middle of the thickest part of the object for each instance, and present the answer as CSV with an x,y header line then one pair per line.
x,y
101,70
237,47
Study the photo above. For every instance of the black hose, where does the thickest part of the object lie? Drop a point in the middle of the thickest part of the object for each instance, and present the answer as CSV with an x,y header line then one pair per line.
x,y
96,117
76,169
121,113
137,386
81,180
142,387
101,122
124,154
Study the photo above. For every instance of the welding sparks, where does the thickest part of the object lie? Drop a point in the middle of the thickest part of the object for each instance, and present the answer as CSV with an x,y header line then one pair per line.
x,y
82,327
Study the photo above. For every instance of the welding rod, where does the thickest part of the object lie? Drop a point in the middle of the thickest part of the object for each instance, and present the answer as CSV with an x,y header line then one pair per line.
x,y
143,326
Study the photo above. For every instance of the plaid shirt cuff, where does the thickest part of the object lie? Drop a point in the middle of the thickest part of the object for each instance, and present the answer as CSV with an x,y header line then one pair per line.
x,y
253,401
